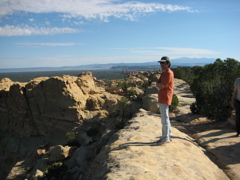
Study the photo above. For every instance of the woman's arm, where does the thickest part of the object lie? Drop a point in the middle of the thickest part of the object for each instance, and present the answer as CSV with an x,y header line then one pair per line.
x,y
160,85
234,94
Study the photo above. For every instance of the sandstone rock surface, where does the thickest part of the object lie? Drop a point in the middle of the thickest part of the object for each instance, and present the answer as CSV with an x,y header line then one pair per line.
x,y
225,147
132,154
185,97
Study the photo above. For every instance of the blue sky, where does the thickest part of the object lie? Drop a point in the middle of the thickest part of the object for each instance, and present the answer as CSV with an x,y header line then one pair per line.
x,y
55,33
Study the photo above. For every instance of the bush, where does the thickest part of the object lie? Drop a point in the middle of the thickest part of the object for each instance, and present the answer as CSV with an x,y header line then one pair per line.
x,y
174,104
55,171
194,109
212,86
123,105
71,136
125,85
119,123
132,92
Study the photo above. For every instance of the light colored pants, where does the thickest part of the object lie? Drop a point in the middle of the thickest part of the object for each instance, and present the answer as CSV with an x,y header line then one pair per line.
x,y
166,125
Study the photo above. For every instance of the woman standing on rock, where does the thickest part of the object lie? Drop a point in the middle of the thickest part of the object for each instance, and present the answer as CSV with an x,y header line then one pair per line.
x,y
236,104
165,93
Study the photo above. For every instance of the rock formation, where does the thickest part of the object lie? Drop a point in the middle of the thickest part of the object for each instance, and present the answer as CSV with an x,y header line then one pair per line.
x,y
67,128
150,99
44,110
45,106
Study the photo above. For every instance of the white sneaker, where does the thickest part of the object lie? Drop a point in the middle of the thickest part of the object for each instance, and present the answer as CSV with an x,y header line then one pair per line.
x,y
170,139
164,141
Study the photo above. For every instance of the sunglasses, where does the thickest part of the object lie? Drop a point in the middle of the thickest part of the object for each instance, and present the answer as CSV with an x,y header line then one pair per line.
x,y
162,62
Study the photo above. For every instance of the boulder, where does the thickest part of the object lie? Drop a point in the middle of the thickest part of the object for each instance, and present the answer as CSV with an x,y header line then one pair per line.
x,y
58,153
87,85
154,77
37,174
5,84
152,89
138,93
112,100
150,98
135,81
95,102
150,103
40,152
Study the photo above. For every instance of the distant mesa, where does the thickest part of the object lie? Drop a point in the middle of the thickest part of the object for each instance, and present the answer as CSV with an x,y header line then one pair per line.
x,y
184,61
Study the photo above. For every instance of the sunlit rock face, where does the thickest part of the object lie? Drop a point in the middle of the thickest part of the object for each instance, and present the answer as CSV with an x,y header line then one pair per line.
x,y
46,105
45,109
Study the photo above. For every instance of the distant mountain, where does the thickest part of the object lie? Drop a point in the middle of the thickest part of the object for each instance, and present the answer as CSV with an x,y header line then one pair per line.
x,y
184,61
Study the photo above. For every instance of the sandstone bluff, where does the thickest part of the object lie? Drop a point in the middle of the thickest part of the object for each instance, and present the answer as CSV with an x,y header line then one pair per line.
x,y
68,128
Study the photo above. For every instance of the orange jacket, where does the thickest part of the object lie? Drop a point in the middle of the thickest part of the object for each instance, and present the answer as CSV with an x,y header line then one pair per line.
x,y
165,94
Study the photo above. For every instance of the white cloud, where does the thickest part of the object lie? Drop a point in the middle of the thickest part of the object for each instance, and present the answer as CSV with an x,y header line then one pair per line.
x,y
88,9
172,50
176,51
26,30
47,23
50,44
74,12
78,22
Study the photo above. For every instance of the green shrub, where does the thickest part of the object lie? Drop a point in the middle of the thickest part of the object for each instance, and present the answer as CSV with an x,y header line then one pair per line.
x,y
55,170
174,104
212,86
71,136
132,92
125,85
194,109
119,123
123,103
